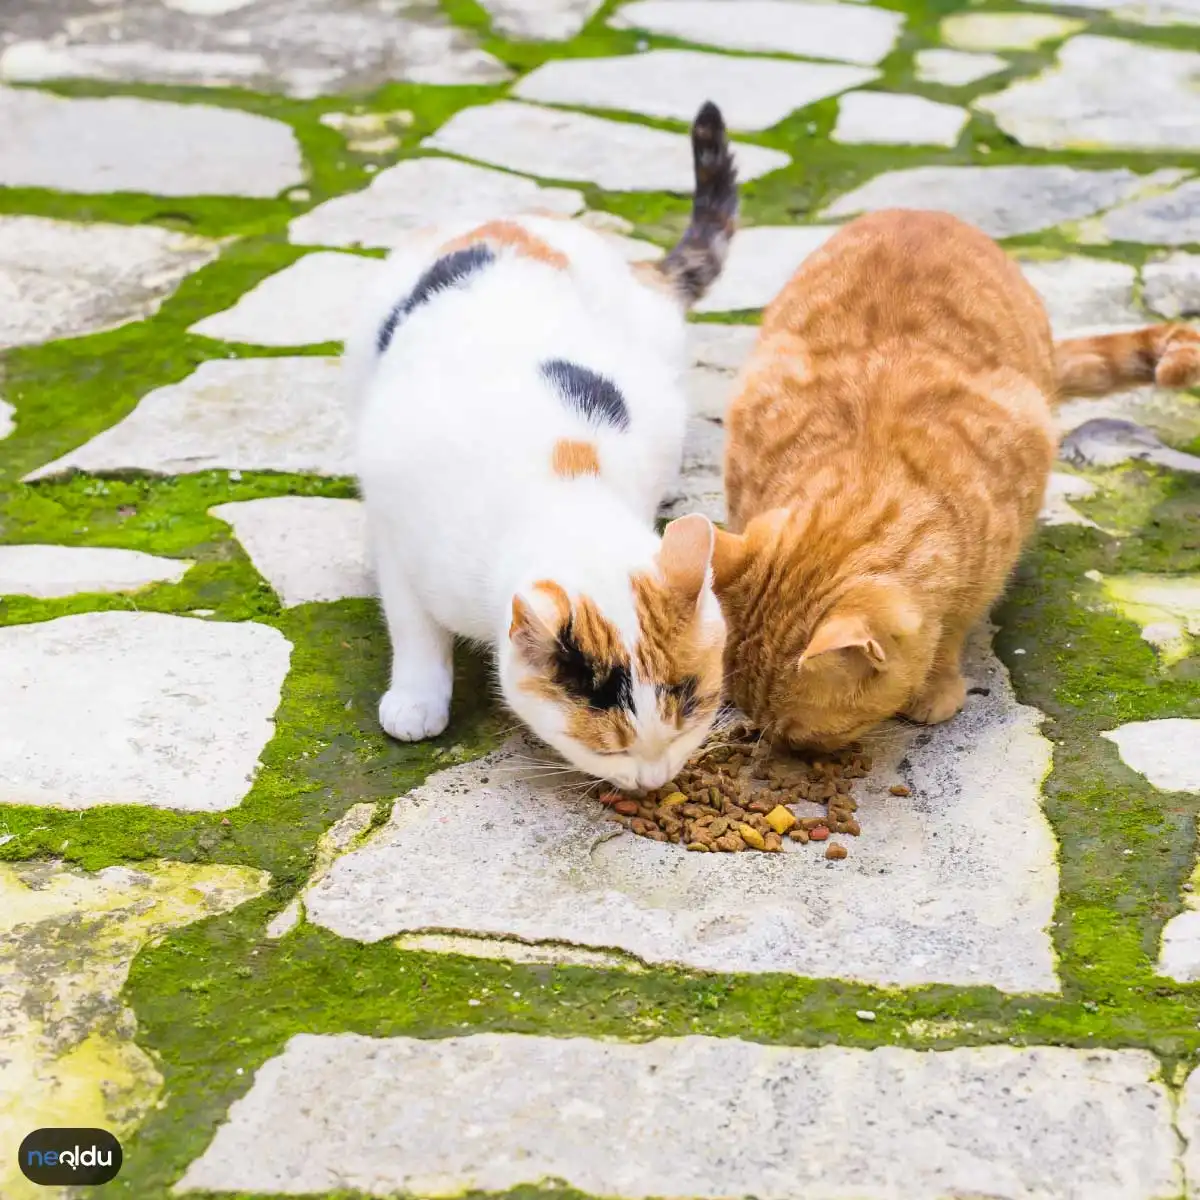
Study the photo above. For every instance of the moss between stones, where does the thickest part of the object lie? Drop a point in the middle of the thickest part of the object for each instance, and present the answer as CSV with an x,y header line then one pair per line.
x,y
216,997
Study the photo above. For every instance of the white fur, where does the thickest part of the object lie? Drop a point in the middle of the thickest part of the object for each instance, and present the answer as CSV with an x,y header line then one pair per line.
x,y
455,432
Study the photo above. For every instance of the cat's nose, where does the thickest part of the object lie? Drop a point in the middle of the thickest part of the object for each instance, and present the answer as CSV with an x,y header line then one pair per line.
x,y
652,776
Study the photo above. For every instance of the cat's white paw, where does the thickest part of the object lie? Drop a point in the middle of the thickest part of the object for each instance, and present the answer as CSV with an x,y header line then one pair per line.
x,y
410,714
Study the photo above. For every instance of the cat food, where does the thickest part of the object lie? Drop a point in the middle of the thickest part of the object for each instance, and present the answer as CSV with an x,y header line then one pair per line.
x,y
898,789
735,796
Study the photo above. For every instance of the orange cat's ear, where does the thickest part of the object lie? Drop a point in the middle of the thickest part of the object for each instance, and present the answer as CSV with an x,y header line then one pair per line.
x,y
728,551
537,616
685,555
849,632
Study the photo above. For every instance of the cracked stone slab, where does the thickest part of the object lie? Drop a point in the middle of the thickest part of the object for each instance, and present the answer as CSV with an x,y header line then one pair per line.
x,y
304,48
511,858
496,1111
1171,285
832,31
1105,93
317,299
541,20
886,118
1166,752
70,937
49,571
1169,219
1080,292
61,279
165,711
716,354
1006,31
616,155
126,144
308,548
956,68
762,258
753,93
249,414
420,192
1002,201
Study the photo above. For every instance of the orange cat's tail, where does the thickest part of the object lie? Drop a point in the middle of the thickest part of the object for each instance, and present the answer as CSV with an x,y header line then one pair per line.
x,y
1168,355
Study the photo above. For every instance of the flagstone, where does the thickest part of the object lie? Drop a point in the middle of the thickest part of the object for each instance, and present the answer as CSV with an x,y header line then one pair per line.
x,y
70,1055
1166,606
8,420
494,1112
161,710
1170,218
716,354
1145,12
420,192
1081,293
1105,93
1003,201
308,548
1005,31
699,486
48,571
753,93
956,68
887,118
249,414
1166,751
61,279
541,20
304,48
551,870
1171,285
553,144
319,298
127,144
836,31
762,258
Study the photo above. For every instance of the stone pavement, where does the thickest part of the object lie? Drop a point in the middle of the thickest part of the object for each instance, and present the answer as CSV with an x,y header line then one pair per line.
x,y
278,954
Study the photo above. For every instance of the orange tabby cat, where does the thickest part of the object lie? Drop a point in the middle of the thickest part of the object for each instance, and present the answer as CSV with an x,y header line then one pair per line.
x,y
888,452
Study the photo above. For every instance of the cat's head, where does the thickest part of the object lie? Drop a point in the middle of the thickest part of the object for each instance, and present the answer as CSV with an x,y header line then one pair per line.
x,y
627,694
816,660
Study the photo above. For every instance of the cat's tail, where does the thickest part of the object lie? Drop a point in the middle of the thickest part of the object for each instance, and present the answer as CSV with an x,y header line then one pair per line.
x,y
1167,355
693,265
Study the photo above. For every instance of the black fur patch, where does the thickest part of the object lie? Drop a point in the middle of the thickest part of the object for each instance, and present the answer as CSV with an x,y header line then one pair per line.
x,y
683,693
597,398
452,270
600,687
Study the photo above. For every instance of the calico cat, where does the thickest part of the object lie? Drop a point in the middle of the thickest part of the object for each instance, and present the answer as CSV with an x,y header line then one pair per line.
x,y
520,415
888,450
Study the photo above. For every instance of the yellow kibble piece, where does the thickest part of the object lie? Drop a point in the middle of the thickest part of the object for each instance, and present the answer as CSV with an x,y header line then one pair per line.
x,y
675,798
781,819
751,837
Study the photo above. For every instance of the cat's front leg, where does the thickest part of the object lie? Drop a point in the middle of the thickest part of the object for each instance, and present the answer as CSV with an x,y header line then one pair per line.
x,y
945,689
417,705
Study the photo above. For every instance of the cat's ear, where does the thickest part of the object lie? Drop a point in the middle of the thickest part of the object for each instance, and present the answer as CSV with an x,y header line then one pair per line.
x,y
728,551
537,616
850,631
686,554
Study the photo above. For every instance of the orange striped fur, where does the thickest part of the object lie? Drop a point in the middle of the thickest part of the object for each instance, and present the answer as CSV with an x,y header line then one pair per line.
x,y
571,459
888,451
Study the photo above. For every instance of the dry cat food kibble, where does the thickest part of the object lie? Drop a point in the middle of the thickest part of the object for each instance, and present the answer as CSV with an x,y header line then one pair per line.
x,y
736,796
